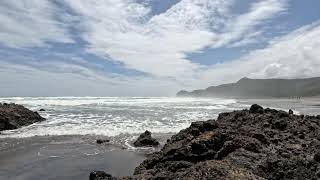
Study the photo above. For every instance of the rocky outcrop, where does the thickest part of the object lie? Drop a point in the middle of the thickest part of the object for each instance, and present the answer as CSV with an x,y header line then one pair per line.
x,y
145,139
13,116
249,144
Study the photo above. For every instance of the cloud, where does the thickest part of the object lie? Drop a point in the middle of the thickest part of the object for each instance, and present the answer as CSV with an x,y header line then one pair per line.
x,y
30,23
242,29
295,55
72,80
158,45
127,33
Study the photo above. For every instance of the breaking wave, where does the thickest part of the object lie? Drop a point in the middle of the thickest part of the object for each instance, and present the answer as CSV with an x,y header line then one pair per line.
x,y
112,116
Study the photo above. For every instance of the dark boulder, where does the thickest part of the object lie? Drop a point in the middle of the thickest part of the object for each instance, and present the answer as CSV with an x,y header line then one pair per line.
x,y
316,157
101,141
100,175
290,111
256,109
42,110
145,139
13,116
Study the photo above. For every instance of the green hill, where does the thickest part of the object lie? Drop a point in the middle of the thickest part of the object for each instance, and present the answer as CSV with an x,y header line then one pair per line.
x,y
260,88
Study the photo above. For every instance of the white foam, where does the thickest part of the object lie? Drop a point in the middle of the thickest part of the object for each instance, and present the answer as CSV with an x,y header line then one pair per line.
x,y
112,116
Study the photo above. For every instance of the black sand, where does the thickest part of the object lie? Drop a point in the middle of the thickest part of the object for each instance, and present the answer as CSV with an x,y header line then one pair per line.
x,y
63,158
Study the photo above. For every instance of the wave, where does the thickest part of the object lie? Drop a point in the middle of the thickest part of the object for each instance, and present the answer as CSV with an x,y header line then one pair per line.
x,y
112,116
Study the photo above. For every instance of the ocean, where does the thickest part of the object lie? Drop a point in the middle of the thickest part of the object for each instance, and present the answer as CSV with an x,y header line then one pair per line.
x,y
113,116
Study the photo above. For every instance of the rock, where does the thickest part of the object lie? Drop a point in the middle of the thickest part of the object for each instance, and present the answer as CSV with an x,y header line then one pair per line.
x,y
100,175
247,144
280,124
290,111
261,137
13,116
145,139
283,114
256,109
316,157
101,141
42,110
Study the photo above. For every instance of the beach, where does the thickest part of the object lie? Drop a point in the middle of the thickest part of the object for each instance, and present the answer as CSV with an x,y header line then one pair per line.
x,y
66,148
64,158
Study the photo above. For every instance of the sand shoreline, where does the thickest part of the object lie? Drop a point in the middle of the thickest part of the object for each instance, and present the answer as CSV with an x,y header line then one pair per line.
x,y
63,158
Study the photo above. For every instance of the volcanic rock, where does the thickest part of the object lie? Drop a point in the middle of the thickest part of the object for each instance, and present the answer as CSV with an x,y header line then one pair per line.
x,y
101,141
249,144
256,109
13,116
100,175
145,139
290,111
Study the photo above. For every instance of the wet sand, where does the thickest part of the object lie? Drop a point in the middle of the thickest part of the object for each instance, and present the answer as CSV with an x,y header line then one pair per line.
x,y
63,158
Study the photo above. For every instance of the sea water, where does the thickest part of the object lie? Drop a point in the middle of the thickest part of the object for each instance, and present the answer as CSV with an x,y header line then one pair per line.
x,y
113,116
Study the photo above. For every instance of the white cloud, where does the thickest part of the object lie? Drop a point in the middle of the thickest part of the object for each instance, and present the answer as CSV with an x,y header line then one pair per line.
x,y
158,45
242,29
30,23
125,31
296,55
61,79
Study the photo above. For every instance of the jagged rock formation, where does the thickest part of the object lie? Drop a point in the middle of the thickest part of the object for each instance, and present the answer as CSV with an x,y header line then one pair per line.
x,y
145,139
260,88
13,116
249,144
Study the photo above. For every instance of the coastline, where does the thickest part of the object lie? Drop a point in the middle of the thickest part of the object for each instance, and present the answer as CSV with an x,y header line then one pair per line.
x,y
64,158
75,156
308,106
256,143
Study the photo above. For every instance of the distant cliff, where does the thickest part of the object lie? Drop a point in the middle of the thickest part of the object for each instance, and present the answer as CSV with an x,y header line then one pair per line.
x,y
260,88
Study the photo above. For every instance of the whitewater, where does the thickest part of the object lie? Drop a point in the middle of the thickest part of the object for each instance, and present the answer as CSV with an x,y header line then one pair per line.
x,y
113,116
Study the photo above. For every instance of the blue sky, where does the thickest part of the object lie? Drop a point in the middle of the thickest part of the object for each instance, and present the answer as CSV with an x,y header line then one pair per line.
x,y
152,47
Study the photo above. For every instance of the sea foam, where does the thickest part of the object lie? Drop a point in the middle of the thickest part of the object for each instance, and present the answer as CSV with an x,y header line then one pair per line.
x,y
113,116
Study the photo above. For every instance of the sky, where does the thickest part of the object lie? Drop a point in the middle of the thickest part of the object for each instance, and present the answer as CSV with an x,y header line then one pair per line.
x,y
152,47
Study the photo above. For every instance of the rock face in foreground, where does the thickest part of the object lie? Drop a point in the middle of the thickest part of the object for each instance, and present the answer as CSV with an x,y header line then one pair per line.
x,y
13,116
145,139
249,144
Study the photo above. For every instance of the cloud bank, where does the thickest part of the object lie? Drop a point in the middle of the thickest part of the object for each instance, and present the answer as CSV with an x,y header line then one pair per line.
x,y
127,33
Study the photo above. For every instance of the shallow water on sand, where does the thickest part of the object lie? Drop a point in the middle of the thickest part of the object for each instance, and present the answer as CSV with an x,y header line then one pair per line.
x,y
63,158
